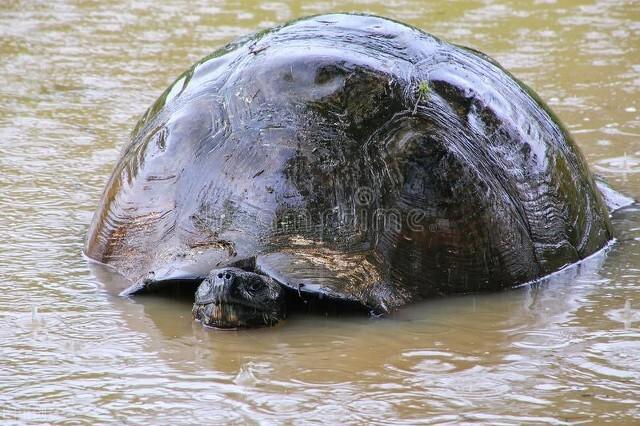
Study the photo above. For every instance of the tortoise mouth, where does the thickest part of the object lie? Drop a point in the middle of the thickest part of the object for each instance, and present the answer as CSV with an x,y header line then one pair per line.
x,y
234,315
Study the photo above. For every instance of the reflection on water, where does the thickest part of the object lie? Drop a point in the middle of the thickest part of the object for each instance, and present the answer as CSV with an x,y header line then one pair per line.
x,y
76,77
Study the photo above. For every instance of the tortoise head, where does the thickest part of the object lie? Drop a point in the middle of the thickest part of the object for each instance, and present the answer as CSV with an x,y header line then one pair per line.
x,y
231,298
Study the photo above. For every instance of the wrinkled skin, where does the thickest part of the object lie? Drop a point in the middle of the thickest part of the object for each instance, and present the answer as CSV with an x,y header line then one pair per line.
x,y
352,158
233,298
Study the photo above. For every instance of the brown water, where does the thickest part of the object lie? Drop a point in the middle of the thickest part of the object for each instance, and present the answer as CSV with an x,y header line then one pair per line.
x,y
75,76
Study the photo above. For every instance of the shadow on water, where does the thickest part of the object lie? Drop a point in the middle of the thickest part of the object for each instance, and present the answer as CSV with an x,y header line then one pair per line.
x,y
456,352
525,317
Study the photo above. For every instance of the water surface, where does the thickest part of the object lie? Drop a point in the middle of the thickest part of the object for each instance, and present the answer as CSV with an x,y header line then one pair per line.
x,y
76,75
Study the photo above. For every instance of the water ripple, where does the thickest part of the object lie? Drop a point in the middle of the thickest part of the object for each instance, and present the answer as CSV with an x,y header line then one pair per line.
x,y
76,77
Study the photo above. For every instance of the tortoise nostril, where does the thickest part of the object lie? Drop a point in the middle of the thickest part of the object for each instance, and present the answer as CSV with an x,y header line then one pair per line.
x,y
220,275
228,276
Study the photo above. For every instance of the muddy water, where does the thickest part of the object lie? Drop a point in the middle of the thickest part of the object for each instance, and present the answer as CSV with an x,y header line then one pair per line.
x,y
76,75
